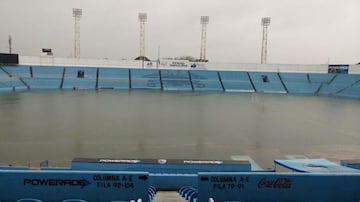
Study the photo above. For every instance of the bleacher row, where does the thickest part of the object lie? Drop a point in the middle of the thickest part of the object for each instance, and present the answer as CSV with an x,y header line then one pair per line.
x,y
19,78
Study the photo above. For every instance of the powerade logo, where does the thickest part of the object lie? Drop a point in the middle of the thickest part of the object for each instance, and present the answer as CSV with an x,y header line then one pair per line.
x,y
56,182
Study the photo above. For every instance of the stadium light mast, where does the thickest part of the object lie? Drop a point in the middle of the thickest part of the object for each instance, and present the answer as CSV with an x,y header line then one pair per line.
x,y
265,22
77,14
10,44
204,20
142,20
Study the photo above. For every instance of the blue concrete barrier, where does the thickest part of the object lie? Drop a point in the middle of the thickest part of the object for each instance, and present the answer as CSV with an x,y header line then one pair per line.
x,y
5,81
352,91
267,82
3,74
77,84
17,70
278,187
10,80
43,77
113,78
91,186
299,83
6,89
79,78
176,80
47,71
12,84
203,80
236,81
145,79
43,83
321,78
339,83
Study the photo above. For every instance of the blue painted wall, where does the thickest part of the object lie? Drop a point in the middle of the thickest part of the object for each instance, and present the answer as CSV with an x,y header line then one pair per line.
x,y
59,185
278,187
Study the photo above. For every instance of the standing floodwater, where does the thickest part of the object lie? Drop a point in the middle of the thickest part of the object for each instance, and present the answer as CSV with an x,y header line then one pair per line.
x,y
60,125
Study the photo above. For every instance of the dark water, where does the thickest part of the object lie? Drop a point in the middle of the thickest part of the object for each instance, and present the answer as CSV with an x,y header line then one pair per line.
x,y
60,125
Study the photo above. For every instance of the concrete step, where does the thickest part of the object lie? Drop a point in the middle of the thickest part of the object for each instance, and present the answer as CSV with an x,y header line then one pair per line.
x,y
168,196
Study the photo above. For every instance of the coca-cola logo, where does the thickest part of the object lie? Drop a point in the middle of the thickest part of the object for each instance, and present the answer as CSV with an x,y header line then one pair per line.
x,y
279,183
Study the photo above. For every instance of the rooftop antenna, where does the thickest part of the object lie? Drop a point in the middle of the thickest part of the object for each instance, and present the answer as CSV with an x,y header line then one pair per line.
x,y
142,20
77,13
204,20
10,44
265,22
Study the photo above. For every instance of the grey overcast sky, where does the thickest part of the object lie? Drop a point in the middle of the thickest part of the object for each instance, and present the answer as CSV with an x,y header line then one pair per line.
x,y
301,31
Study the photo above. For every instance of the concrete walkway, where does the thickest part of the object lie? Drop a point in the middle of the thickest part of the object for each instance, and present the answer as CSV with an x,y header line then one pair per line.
x,y
168,196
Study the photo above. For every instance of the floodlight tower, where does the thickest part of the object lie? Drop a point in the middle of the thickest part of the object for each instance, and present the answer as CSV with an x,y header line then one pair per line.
x,y
204,20
142,20
10,44
77,13
265,22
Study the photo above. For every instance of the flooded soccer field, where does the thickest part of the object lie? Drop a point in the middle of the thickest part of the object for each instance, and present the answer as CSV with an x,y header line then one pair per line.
x,y
60,125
